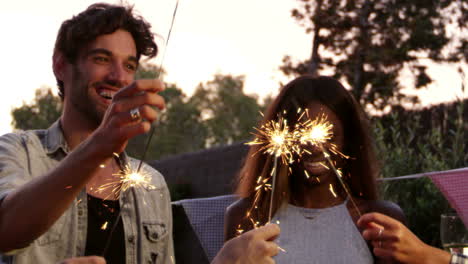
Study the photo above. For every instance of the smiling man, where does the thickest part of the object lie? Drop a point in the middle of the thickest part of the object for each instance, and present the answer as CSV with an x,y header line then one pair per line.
x,y
53,205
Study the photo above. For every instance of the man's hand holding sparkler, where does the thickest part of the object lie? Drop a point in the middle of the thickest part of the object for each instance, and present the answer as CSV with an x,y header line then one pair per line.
x,y
130,114
255,246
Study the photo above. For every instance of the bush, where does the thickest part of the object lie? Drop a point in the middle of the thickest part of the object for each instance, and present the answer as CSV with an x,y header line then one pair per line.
x,y
180,191
407,146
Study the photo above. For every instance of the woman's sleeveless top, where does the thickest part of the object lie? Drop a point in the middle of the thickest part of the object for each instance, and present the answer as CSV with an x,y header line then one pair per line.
x,y
326,235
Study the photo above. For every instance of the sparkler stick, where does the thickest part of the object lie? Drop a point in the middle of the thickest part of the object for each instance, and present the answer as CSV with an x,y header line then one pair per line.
x,y
340,178
117,219
275,169
143,156
263,185
277,141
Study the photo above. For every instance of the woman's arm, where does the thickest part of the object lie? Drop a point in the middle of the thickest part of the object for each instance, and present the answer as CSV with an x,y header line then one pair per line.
x,y
394,242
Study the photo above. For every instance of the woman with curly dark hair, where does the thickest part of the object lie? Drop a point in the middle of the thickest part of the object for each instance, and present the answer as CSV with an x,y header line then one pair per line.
x,y
316,215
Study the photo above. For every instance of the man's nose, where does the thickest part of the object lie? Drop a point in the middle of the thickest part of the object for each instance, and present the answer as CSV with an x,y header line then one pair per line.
x,y
119,75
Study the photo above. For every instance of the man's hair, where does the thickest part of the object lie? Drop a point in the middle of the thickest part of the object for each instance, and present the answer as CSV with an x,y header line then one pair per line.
x,y
100,19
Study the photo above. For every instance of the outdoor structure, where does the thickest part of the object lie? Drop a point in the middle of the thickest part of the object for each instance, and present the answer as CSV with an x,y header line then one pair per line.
x,y
206,173
198,223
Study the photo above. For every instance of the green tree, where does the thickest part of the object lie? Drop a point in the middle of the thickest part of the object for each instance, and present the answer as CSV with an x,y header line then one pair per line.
x,y
229,114
148,71
368,43
179,127
40,113
406,146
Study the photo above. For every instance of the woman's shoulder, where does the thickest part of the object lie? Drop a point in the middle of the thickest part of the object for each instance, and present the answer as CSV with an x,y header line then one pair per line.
x,y
233,216
238,208
388,208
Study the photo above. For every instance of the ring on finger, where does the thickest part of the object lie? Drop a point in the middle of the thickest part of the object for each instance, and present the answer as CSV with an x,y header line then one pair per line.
x,y
380,232
135,114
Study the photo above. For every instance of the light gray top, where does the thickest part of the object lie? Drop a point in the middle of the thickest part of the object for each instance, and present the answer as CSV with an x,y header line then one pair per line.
x,y
326,235
146,213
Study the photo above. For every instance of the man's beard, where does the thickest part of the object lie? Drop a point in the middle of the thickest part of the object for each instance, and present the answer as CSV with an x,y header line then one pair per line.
x,y
81,100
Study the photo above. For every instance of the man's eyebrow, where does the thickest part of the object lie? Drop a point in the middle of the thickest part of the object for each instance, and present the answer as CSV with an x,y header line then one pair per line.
x,y
109,53
97,51
133,58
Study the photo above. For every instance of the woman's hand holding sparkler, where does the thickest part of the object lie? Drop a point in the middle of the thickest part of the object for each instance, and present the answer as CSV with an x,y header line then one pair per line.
x,y
392,240
255,246
130,114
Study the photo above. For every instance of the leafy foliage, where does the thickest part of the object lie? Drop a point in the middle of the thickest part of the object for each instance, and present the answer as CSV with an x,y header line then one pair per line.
x,y
228,113
407,146
44,110
367,43
178,130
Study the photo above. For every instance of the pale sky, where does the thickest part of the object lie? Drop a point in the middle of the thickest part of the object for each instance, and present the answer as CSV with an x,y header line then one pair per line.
x,y
240,37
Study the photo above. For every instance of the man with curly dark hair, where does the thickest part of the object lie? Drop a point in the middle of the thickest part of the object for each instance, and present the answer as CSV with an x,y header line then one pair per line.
x,y
53,203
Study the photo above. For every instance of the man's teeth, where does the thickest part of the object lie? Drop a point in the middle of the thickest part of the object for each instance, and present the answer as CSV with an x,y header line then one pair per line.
x,y
106,94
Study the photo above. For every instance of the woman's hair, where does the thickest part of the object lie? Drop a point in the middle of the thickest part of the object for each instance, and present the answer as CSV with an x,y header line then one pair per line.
x,y
101,19
360,170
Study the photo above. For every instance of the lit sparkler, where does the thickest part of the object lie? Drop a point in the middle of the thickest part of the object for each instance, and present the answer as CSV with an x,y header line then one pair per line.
x,y
319,132
127,178
276,140
104,226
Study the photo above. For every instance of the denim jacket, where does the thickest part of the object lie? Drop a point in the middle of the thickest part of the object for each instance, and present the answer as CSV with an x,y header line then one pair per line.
x,y
146,213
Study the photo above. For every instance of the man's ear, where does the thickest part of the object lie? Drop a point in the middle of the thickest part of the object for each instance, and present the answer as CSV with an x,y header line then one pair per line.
x,y
59,65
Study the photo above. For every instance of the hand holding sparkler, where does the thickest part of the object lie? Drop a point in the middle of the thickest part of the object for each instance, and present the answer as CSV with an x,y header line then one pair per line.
x,y
253,247
130,114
